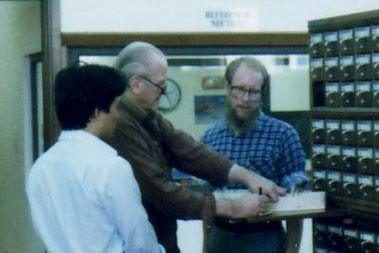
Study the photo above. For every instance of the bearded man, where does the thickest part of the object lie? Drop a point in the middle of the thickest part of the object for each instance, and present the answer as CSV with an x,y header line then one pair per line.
x,y
262,144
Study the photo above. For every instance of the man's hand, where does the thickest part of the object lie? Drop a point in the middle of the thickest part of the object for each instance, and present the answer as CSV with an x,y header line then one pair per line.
x,y
268,187
255,182
242,207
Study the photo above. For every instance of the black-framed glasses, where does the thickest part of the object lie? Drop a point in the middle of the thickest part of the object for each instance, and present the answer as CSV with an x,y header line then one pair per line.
x,y
163,89
239,92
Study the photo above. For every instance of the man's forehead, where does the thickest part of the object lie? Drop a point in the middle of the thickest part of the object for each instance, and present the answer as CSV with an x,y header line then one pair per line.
x,y
247,77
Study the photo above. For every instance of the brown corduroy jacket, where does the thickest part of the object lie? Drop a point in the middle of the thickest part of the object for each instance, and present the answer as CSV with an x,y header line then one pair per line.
x,y
153,147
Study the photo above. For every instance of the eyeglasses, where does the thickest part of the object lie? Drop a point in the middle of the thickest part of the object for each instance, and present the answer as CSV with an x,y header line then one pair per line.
x,y
163,89
239,92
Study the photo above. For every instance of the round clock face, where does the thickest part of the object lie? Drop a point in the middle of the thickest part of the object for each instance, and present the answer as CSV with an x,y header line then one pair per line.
x,y
170,100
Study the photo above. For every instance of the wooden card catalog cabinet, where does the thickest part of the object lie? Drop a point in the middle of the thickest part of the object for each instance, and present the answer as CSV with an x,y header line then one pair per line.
x,y
335,185
367,189
367,240
363,67
362,39
364,94
365,132
335,237
316,45
333,131
332,95
346,42
318,131
349,159
346,235
331,43
344,59
375,65
375,88
332,70
351,240
320,249
376,169
375,37
321,238
317,69
366,160
319,180
347,67
350,185
319,160
347,94
334,157
348,132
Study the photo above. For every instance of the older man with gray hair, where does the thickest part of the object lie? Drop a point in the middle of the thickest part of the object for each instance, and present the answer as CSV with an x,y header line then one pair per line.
x,y
153,146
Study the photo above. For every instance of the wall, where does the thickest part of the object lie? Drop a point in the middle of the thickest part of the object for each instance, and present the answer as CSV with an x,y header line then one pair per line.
x,y
189,80
190,15
286,84
20,35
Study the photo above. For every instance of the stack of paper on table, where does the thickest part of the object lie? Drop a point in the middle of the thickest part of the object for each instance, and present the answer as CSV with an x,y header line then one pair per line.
x,y
299,201
306,201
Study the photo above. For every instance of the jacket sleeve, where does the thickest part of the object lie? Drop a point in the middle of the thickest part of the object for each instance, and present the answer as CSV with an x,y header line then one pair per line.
x,y
193,157
154,176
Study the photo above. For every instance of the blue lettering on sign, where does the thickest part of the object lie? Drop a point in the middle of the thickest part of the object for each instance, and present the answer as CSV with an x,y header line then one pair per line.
x,y
226,18
222,23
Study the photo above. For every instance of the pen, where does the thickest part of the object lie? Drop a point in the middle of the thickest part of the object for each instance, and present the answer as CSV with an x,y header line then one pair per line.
x,y
260,192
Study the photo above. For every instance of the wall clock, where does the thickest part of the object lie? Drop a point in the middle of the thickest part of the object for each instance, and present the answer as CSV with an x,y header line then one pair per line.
x,y
170,100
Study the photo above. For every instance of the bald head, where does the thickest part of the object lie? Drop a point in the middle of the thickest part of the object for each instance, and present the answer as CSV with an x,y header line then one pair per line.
x,y
135,58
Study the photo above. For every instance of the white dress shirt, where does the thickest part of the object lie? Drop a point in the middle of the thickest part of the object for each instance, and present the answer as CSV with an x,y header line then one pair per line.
x,y
84,199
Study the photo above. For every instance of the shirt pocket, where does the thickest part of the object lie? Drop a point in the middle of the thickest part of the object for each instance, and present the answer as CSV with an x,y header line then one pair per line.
x,y
263,165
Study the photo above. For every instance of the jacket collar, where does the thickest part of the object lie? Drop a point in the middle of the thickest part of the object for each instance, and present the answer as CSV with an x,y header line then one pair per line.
x,y
136,111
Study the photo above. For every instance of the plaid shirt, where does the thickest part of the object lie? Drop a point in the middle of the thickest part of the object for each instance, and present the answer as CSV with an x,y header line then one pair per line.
x,y
272,149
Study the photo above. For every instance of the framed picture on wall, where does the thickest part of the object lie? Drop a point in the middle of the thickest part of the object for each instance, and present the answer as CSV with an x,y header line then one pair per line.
x,y
213,82
209,109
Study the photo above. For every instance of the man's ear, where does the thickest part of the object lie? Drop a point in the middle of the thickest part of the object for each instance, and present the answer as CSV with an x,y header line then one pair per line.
x,y
135,85
93,117
96,113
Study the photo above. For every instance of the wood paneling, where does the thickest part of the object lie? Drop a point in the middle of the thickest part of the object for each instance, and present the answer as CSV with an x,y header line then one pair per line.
x,y
51,64
186,39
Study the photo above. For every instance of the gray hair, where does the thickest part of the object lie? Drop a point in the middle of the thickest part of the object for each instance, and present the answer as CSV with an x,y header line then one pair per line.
x,y
134,59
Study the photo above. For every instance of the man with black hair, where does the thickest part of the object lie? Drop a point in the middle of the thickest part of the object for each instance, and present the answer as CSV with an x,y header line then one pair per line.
x,y
83,196
260,143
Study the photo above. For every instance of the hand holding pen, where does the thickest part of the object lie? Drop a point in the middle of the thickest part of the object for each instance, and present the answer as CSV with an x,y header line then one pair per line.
x,y
263,213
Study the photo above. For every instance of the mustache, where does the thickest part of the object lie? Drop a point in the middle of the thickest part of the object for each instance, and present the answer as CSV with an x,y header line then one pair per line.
x,y
241,124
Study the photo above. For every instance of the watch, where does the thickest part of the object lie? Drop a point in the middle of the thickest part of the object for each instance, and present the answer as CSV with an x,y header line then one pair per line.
x,y
171,98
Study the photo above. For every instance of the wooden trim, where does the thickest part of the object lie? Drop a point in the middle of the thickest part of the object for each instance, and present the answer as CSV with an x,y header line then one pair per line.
x,y
345,21
51,64
186,39
345,112
34,60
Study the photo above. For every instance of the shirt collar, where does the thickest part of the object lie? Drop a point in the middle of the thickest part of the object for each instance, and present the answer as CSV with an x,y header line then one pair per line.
x,y
86,137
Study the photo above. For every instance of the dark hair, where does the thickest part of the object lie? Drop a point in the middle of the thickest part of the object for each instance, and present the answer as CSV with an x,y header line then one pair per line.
x,y
251,63
79,90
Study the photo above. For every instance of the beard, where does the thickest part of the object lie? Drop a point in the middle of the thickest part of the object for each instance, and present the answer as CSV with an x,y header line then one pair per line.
x,y
239,124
